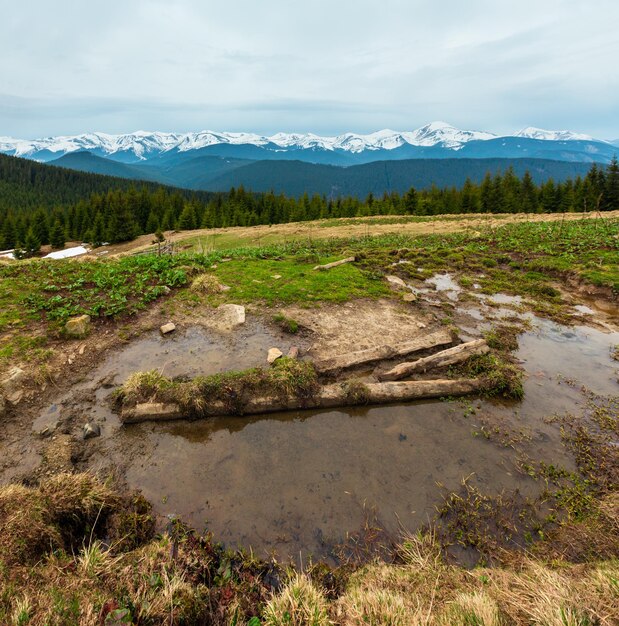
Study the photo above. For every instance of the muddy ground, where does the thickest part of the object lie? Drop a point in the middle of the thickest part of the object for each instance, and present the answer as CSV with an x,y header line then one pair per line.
x,y
300,481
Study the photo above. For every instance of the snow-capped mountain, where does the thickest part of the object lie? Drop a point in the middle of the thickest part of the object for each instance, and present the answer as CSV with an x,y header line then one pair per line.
x,y
552,135
164,153
144,144
141,145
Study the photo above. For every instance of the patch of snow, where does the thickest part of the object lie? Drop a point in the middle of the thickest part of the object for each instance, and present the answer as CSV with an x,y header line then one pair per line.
x,y
67,253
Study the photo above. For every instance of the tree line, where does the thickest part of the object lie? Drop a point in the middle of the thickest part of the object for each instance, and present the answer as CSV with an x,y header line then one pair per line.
x,y
124,211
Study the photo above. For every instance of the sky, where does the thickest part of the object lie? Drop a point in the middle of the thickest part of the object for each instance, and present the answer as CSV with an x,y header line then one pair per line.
x,y
322,66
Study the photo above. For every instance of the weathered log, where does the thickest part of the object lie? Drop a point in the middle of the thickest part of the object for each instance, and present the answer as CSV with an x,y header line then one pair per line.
x,y
451,356
328,266
329,396
438,338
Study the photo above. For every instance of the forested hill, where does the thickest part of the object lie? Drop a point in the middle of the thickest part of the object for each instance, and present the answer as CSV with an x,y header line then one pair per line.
x,y
40,204
294,178
26,184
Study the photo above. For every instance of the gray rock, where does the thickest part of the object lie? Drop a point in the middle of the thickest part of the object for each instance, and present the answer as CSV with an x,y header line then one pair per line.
x,y
78,327
231,314
395,282
168,328
91,430
273,355
11,385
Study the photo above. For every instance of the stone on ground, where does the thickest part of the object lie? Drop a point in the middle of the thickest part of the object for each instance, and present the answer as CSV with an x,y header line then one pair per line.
x,y
78,327
293,353
273,355
395,282
91,430
409,297
231,315
11,385
168,328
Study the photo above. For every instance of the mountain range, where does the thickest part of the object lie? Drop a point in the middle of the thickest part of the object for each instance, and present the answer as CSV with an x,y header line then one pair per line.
x,y
218,160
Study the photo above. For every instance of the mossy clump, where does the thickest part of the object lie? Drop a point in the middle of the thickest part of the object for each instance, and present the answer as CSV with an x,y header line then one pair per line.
x,y
287,324
503,338
286,378
502,378
356,391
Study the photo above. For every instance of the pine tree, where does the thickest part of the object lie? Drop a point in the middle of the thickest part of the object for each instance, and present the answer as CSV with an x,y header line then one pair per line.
x,y
187,220
611,188
32,244
57,236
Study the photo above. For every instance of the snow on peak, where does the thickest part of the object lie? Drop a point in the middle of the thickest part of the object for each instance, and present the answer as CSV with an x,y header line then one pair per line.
x,y
141,145
552,135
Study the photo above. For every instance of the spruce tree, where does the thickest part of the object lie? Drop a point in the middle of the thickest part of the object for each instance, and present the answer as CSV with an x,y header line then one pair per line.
x,y
32,244
611,188
57,237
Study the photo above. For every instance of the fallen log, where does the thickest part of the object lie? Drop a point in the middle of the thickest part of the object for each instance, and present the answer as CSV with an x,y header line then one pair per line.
x,y
451,356
328,266
329,396
344,361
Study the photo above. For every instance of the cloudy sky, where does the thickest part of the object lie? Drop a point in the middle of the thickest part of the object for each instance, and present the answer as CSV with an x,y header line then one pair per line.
x,y
325,66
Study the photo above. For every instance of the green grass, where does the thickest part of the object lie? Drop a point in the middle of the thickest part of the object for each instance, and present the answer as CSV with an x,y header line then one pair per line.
x,y
254,280
519,259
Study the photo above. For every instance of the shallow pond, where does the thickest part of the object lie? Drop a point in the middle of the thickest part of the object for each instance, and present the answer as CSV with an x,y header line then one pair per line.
x,y
296,483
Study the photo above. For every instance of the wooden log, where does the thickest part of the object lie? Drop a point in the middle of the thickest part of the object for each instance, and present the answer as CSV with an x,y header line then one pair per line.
x,y
451,356
328,266
440,337
329,396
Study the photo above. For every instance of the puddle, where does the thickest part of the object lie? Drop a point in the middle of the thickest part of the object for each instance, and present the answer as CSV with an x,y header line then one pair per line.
x,y
503,298
296,483
196,352
446,284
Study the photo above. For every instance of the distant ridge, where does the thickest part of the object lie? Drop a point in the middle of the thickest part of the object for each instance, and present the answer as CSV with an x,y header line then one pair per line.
x,y
212,173
142,146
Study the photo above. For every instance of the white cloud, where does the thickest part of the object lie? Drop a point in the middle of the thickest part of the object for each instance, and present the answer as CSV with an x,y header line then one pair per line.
x,y
325,66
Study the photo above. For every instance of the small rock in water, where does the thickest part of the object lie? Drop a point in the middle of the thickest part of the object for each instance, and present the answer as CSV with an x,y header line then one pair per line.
x,y
167,328
78,327
293,353
273,355
91,430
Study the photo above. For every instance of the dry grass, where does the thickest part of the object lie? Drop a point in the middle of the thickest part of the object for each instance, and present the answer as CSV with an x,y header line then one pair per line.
x,y
206,284
57,572
298,604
